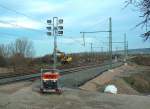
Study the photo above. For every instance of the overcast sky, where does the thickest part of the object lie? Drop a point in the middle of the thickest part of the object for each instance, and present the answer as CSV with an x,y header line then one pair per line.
x,y
78,15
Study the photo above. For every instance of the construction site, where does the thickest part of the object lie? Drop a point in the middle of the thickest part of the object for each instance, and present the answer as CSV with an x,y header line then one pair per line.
x,y
74,54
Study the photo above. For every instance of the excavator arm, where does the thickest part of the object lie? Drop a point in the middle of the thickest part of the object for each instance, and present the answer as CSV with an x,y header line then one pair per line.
x,y
63,58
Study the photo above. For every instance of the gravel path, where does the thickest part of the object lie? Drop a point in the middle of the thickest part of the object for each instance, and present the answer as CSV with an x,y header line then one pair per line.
x,y
26,98
106,77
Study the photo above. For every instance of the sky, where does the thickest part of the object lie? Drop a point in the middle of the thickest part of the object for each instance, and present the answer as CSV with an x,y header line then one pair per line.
x,y
27,19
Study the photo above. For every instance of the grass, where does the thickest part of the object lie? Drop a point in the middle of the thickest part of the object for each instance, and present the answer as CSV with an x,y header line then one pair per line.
x,y
142,60
140,82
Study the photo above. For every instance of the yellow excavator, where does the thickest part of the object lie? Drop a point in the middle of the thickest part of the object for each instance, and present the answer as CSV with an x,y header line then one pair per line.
x,y
64,59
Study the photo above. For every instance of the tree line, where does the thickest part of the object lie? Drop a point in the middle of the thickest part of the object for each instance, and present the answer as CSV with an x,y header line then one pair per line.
x,y
17,53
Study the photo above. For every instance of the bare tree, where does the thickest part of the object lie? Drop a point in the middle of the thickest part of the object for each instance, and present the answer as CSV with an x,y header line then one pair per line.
x,y
2,50
5,53
17,54
21,53
144,8
2,54
23,47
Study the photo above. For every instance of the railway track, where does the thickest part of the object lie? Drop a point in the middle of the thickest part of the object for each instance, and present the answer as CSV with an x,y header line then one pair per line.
x,y
12,74
16,78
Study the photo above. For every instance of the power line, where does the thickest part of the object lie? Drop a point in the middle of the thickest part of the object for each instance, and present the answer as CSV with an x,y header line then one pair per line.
x,y
12,10
96,23
10,34
77,41
94,31
19,26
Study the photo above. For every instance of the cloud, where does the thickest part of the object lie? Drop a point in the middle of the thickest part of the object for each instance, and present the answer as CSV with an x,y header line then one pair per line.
x,y
78,15
74,12
16,22
2,25
44,7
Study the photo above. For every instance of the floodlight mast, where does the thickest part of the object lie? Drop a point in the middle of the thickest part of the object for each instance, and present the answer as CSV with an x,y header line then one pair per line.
x,y
55,29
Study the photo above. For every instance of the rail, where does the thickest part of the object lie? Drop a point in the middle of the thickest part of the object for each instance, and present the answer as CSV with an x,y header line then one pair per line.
x,y
10,79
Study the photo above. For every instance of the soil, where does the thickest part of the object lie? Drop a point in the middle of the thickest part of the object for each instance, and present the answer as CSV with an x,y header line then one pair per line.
x,y
23,95
6,70
12,88
26,98
117,77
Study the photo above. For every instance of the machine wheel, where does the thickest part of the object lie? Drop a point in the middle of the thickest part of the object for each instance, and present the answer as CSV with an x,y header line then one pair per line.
x,y
59,91
41,90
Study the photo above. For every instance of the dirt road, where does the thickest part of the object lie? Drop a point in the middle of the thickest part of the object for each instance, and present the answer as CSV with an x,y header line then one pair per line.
x,y
112,77
25,95
27,98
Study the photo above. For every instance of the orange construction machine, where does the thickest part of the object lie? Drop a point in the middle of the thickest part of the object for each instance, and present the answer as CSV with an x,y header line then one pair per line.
x,y
63,58
50,81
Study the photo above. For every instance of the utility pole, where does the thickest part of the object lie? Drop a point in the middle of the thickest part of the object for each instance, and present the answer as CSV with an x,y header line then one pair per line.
x,y
91,45
83,38
55,29
102,50
126,52
125,48
91,48
110,40
116,50
110,43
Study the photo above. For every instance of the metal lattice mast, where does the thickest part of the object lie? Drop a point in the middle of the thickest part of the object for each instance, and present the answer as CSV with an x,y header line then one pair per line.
x,y
110,40
91,48
110,43
125,48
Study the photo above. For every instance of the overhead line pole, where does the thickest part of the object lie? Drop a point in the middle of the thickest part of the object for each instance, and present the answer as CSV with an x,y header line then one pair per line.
x,y
102,50
124,47
127,49
91,47
110,40
83,38
91,51
110,43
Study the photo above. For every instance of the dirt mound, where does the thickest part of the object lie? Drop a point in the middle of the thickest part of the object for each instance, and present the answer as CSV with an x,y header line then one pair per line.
x,y
122,86
130,79
140,82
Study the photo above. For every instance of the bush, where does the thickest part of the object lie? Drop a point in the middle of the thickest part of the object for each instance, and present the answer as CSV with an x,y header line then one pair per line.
x,y
140,82
141,60
3,62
